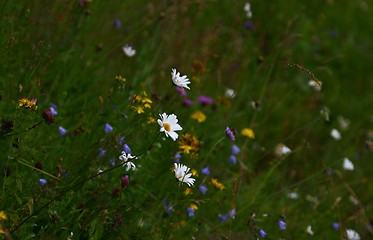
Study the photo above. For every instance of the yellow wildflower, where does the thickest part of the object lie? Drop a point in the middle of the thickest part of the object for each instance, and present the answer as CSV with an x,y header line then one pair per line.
x,y
24,102
2,216
120,79
193,206
188,144
199,116
194,172
139,109
217,184
248,132
188,191
151,120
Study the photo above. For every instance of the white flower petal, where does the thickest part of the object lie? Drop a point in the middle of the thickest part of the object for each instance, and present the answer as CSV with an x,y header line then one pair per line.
x,y
348,165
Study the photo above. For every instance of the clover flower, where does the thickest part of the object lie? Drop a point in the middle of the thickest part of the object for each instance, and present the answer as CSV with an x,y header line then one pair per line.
x,y
125,181
181,174
128,50
179,81
169,125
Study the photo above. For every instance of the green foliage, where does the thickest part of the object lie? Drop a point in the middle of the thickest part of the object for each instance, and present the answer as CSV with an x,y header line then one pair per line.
x,y
69,53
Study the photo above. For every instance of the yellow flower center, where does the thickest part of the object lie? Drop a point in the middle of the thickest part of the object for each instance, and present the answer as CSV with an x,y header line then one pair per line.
x,y
167,127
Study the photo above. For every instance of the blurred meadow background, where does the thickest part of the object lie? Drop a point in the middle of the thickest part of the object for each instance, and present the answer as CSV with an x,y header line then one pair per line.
x,y
290,81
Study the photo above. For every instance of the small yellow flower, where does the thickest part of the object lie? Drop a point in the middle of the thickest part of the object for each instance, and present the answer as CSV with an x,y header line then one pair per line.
x,y
151,120
194,172
199,116
120,79
188,144
193,206
24,102
2,231
217,184
139,110
188,191
3,216
185,149
248,132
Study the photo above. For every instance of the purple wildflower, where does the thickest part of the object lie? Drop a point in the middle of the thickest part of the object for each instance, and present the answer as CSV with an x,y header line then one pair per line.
x,y
42,182
117,23
62,131
187,102
112,161
169,209
177,157
235,150
336,226
281,224
125,181
223,218
190,212
206,171
108,128
121,140
203,189
53,109
232,159
181,91
101,152
262,233
230,133
126,148
232,213
249,25
205,100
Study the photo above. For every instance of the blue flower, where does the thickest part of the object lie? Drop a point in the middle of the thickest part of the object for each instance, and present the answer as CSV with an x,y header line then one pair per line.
x,y
42,181
108,128
223,218
232,159
281,224
232,213
336,226
177,157
190,212
62,131
235,150
112,161
101,152
203,189
169,209
262,233
117,23
53,109
126,148
206,171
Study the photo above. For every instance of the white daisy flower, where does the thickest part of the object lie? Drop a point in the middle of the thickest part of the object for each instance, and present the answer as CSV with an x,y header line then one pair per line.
x,y
335,134
179,81
169,125
230,93
352,235
309,230
126,160
181,173
129,51
315,84
348,165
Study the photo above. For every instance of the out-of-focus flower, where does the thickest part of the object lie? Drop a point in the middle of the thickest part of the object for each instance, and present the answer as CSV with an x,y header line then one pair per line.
x,y
181,174
282,150
169,125
232,159
112,161
352,234
126,148
315,84
309,230
181,91
293,195
262,233
125,181
117,23
101,152
229,93
249,25
126,159
343,122
232,213
179,81
325,113
108,128
187,102
53,109
177,157
335,134
42,182
3,216
129,51
281,225
348,165
235,149
247,9
217,184
206,171
120,79
188,191
48,117
190,212
248,132
223,218
336,226
199,116
62,131
230,134
204,100
203,189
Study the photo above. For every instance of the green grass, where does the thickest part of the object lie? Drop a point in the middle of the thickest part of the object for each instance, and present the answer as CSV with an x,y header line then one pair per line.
x,y
68,55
